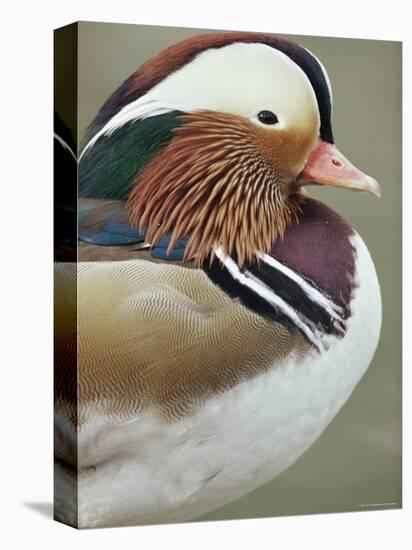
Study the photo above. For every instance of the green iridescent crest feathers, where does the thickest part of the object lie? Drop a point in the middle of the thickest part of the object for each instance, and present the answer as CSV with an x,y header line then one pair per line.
x,y
107,170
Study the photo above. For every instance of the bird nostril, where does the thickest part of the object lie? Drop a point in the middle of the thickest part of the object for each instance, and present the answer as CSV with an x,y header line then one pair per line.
x,y
336,162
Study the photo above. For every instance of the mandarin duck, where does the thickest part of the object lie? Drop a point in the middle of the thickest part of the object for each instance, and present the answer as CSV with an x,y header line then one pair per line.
x,y
224,315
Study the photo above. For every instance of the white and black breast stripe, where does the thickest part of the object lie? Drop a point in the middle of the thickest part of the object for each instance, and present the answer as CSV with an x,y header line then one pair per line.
x,y
274,290
334,310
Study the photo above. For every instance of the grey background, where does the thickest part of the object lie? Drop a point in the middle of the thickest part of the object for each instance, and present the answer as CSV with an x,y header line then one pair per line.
x,y
356,463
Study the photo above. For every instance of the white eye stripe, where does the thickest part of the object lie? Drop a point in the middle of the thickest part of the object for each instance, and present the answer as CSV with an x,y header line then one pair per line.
x,y
213,81
129,113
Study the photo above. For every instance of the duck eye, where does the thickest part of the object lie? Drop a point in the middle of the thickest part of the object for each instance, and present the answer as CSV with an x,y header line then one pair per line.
x,y
267,117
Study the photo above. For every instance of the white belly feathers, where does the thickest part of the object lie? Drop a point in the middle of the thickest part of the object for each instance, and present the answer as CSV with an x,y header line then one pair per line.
x,y
238,440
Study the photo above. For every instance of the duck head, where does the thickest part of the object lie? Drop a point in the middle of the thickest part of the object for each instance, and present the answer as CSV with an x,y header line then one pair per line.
x,y
248,121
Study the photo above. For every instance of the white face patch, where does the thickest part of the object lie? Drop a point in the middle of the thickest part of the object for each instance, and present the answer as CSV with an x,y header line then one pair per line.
x,y
239,79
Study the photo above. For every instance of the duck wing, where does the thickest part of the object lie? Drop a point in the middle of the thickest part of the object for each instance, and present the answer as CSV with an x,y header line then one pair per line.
x,y
105,233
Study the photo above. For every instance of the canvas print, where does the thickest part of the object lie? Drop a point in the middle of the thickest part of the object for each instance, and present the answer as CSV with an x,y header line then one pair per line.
x,y
227,275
